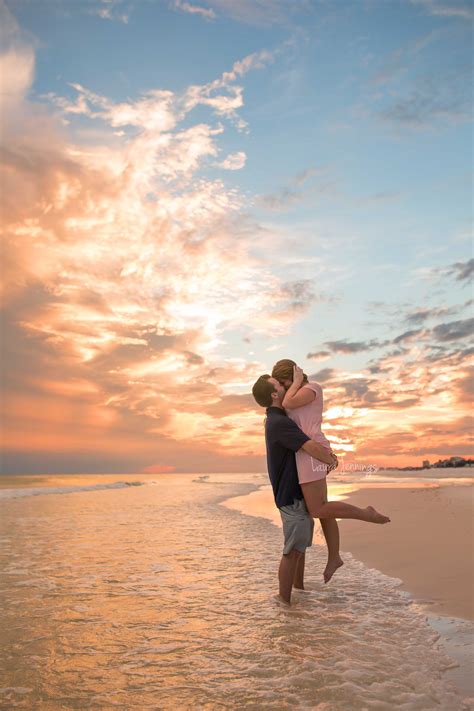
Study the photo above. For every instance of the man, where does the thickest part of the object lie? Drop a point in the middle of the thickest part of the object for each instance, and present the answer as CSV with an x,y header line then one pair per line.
x,y
283,438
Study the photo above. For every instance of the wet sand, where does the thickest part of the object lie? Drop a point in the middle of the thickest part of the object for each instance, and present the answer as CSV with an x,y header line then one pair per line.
x,y
116,597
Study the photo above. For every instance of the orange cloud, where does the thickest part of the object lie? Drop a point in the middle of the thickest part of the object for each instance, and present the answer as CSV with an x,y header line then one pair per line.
x,y
122,269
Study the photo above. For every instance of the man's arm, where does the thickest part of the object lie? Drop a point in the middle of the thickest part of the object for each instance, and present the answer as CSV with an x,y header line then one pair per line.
x,y
319,452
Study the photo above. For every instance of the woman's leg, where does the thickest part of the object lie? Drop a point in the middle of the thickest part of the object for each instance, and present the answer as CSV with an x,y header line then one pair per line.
x,y
330,531
314,493
331,534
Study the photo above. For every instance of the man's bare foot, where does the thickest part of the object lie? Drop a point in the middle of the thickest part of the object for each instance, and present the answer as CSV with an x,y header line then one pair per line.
x,y
376,517
282,600
331,568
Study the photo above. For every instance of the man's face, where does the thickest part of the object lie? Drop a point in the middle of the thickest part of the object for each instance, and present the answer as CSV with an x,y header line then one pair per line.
x,y
280,390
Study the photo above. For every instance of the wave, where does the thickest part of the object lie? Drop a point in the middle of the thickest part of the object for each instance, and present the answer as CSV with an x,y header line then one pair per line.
x,y
41,490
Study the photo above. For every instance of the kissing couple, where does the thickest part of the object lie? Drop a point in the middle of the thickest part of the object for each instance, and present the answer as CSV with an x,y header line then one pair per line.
x,y
299,458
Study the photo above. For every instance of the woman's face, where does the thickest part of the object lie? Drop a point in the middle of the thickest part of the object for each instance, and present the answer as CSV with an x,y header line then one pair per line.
x,y
286,383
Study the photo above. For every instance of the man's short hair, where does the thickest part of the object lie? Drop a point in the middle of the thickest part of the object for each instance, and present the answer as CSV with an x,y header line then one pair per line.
x,y
262,391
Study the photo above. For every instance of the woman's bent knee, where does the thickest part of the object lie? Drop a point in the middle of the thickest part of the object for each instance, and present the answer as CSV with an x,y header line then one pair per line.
x,y
317,511
315,496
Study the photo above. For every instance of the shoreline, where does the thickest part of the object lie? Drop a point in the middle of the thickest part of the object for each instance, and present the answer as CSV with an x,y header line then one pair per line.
x,y
429,523
426,544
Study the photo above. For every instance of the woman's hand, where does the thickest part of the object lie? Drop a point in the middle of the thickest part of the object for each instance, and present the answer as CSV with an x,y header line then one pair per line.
x,y
296,396
297,375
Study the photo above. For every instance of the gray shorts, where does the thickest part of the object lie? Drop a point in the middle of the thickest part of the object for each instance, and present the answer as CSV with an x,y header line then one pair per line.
x,y
298,526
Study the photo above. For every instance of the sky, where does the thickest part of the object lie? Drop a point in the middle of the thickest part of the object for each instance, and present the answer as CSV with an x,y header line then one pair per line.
x,y
195,190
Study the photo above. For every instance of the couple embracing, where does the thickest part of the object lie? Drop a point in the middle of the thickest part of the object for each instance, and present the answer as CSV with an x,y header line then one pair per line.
x,y
299,458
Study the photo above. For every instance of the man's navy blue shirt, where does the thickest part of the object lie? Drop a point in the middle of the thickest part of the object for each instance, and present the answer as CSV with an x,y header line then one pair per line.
x,y
283,438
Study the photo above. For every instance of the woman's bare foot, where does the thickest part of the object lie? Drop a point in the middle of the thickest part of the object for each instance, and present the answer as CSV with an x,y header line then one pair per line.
x,y
376,517
331,568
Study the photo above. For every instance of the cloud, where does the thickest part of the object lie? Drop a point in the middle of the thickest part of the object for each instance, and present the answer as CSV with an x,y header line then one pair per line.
x,y
281,200
17,63
410,335
319,355
110,10
160,110
123,267
360,408
298,296
462,271
454,330
431,377
442,8
128,272
261,13
442,441
402,97
323,375
420,315
234,161
431,99
232,404
296,192
427,374
464,388
399,61
344,346
205,13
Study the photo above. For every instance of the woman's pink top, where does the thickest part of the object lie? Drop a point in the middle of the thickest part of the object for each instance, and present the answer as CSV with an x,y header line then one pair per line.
x,y
309,418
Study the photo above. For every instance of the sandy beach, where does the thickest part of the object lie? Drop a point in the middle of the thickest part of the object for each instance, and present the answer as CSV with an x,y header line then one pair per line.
x,y
428,544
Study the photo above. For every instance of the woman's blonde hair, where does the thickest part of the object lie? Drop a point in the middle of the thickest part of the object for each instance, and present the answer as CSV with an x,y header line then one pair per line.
x,y
283,370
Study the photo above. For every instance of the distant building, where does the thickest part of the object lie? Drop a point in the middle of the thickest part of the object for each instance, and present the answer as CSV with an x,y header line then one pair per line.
x,y
453,462
426,464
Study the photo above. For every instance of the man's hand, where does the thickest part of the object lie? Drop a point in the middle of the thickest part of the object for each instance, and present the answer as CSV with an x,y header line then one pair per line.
x,y
317,451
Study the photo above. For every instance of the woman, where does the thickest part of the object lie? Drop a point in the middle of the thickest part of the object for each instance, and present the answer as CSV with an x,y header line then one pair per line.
x,y
303,402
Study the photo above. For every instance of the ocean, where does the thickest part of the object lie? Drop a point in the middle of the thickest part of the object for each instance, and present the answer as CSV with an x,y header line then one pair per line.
x,y
146,592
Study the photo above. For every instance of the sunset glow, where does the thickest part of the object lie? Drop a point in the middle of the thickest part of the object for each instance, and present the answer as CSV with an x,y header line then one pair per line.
x,y
192,192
